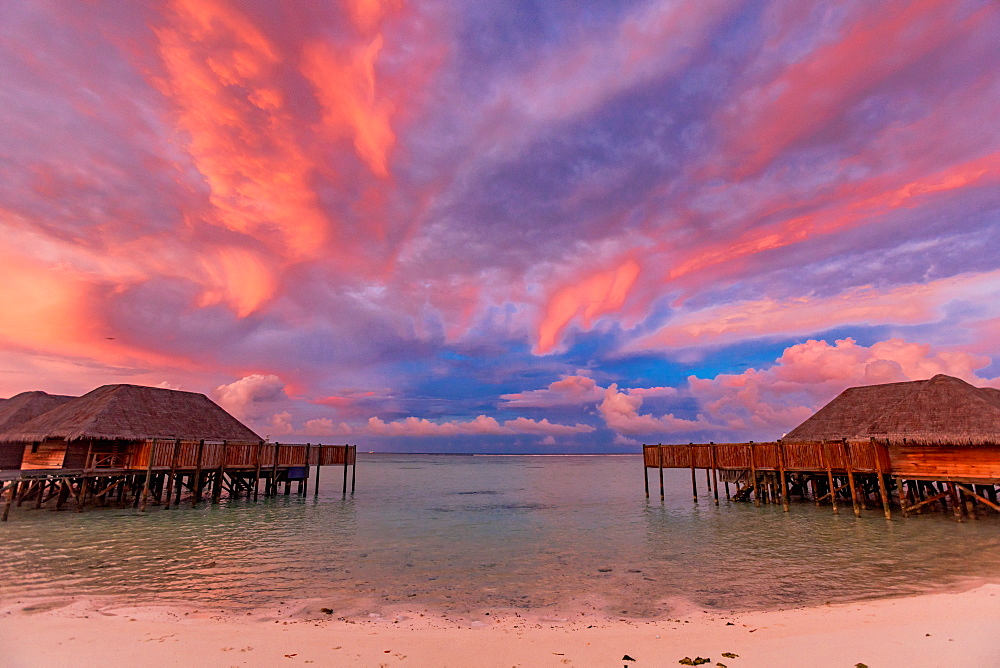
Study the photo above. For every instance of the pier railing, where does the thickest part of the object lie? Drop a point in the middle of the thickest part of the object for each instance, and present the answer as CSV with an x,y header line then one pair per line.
x,y
167,454
839,456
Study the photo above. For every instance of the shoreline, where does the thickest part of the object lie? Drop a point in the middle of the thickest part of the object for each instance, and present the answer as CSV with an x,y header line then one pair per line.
x,y
958,626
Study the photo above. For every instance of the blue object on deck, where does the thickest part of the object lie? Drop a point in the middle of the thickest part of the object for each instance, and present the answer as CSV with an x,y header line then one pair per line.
x,y
296,472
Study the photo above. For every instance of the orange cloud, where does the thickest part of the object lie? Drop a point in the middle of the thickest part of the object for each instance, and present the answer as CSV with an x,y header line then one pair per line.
x,y
222,77
345,87
600,293
905,305
851,214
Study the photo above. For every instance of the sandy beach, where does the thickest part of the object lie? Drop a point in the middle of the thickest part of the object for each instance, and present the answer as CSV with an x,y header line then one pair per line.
x,y
940,629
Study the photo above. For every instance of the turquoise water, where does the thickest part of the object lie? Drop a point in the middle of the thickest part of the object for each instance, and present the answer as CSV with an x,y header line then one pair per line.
x,y
467,535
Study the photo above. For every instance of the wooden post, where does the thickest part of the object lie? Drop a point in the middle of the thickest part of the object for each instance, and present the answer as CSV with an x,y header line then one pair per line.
x,y
274,470
83,494
901,491
220,473
11,493
149,473
694,482
173,472
659,453
319,465
715,472
955,501
882,491
645,471
41,493
305,480
829,479
347,452
196,480
753,472
63,493
970,502
354,466
256,475
850,478
784,483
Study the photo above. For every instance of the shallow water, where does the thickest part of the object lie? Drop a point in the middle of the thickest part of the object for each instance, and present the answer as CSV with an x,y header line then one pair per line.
x,y
465,535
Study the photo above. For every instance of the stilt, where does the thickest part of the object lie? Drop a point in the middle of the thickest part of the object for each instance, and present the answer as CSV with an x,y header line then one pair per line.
x,y
171,479
11,493
850,479
274,470
304,485
256,476
645,472
829,479
728,497
319,460
659,453
694,484
955,501
784,485
83,495
196,478
347,452
63,493
715,474
354,466
149,474
901,491
753,472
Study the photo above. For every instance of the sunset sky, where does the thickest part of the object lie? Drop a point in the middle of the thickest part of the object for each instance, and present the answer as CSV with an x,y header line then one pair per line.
x,y
501,227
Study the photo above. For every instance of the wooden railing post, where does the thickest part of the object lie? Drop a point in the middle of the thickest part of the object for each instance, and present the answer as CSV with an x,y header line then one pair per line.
x,y
305,480
347,452
256,475
274,470
883,492
354,466
149,474
196,480
784,484
645,471
753,471
173,471
694,482
829,478
659,451
715,471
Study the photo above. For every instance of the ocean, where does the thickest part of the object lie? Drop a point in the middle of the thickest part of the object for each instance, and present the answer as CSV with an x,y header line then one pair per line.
x,y
465,535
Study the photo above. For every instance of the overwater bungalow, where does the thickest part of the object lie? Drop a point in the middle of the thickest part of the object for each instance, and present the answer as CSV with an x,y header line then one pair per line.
x,y
913,444
134,444
16,411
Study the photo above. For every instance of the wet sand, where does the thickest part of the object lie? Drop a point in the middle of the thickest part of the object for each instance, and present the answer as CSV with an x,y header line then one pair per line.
x,y
954,628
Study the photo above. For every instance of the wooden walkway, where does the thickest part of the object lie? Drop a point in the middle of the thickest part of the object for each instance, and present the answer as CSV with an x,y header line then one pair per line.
x,y
914,478
161,472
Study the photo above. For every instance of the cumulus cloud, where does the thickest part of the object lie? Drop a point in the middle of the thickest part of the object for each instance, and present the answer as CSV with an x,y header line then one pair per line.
x,y
241,397
767,403
482,425
325,427
281,424
570,390
620,411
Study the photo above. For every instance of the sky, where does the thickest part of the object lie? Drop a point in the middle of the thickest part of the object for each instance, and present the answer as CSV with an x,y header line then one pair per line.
x,y
506,227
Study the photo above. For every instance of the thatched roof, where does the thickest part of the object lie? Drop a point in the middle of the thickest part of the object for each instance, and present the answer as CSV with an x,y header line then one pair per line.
x,y
133,412
940,410
23,407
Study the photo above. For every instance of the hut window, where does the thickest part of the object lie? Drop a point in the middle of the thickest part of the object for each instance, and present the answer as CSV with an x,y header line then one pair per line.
x,y
34,447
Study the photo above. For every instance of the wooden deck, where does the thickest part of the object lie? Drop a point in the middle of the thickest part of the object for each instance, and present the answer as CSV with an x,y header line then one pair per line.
x,y
911,477
162,472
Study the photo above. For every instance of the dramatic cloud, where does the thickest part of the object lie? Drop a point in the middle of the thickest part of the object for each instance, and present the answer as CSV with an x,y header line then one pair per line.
x,y
521,224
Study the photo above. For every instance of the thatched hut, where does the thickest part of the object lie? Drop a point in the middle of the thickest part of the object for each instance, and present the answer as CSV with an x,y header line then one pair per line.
x,y
106,424
20,409
941,410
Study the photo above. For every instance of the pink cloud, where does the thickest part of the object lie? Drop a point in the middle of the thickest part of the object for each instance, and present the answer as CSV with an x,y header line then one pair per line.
x,y
621,414
326,427
905,305
481,425
767,403
570,390
240,396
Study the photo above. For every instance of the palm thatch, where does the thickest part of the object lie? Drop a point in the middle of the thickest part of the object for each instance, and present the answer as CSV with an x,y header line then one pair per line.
x,y
941,410
133,412
23,407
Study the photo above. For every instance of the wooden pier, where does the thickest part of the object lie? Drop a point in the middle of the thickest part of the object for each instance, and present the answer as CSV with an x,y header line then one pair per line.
x,y
168,473
911,477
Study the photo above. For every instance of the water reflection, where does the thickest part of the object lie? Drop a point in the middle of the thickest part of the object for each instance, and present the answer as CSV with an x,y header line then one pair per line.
x,y
465,534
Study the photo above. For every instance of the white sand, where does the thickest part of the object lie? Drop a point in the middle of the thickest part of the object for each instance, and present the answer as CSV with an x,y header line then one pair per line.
x,y
942,629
